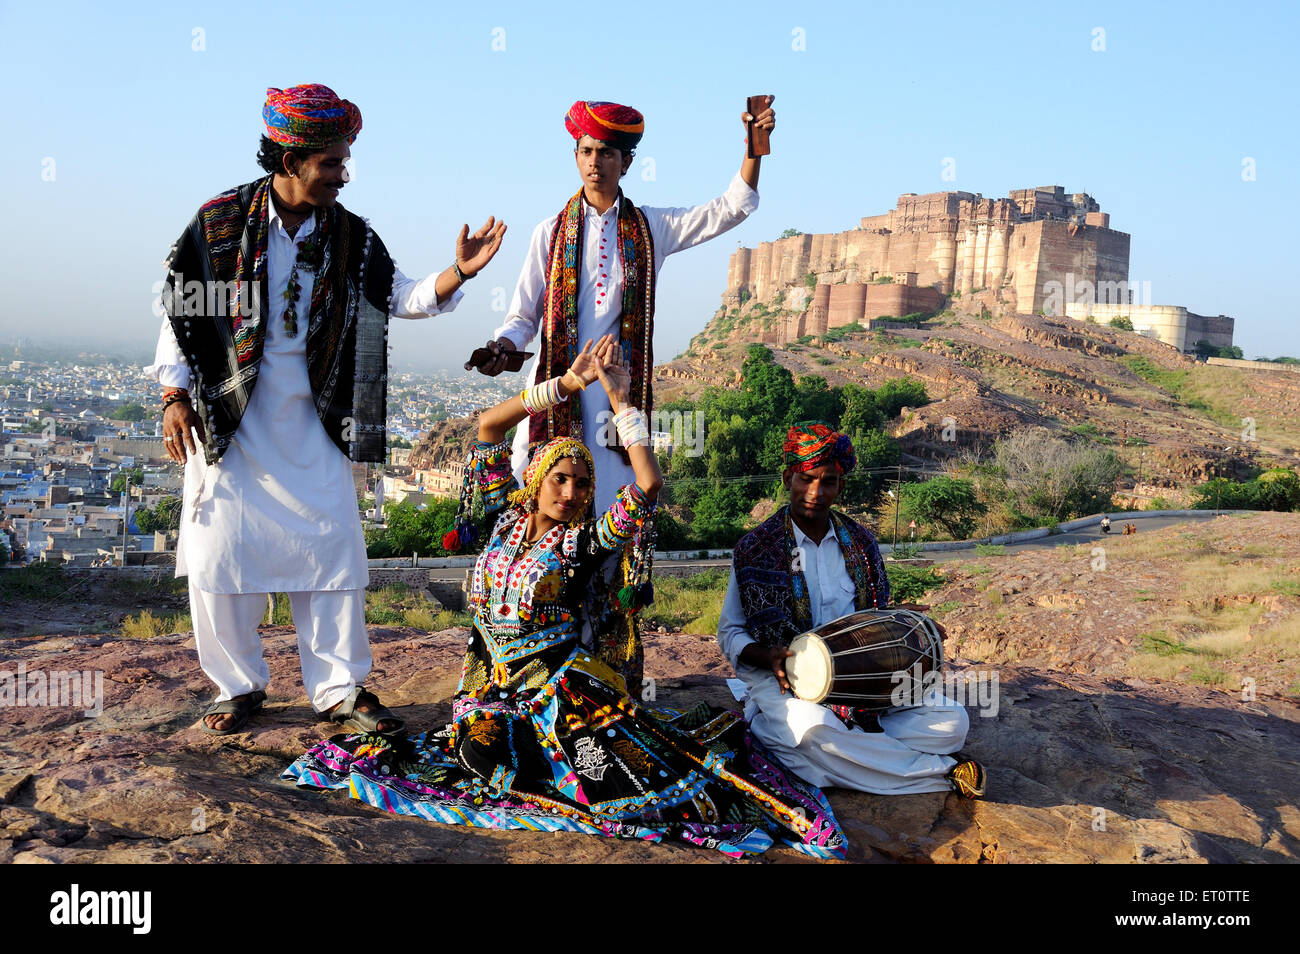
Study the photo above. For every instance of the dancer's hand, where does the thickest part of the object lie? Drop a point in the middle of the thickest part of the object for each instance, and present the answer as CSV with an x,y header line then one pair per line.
x,y
615,376
585,366
473,252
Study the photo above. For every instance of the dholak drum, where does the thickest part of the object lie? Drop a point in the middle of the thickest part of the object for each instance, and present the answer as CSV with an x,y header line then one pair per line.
x,y
866,659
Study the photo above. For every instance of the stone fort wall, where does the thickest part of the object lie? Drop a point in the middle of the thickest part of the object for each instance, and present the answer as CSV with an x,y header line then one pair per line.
x,y
952,242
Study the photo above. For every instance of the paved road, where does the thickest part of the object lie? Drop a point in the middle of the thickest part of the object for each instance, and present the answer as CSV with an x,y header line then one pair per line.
x,y
1090,534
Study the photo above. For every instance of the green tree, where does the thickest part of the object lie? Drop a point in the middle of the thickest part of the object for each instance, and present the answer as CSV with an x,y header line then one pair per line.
x,y
163,517
790,233
951,502
874,450
128,412
894,395
119,482
1220,493
720,514
1278,489
817,402
1122,322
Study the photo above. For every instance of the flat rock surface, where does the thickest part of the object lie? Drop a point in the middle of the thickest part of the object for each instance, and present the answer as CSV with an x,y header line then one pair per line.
x,y
1082,768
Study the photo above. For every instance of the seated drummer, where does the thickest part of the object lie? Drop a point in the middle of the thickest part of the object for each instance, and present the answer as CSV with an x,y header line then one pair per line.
x,y
805,566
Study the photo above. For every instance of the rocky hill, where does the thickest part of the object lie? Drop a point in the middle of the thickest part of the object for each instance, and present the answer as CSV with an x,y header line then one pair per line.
x,y
1172,418
1123,730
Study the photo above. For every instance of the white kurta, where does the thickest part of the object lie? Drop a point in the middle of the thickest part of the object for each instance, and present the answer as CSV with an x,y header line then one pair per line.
x,y
278,512
600,303
908,756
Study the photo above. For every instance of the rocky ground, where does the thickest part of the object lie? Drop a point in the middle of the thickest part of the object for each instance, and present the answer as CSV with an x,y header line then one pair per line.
x,y
1087,762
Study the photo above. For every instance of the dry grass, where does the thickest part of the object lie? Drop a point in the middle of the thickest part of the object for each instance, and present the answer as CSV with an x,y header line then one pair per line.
x,y
145,625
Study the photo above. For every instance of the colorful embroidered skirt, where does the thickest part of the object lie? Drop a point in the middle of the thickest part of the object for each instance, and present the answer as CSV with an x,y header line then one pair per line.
x,y
579,755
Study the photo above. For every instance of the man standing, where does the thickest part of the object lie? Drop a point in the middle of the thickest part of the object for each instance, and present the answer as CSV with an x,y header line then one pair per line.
x,y
804,566
273,352
591,271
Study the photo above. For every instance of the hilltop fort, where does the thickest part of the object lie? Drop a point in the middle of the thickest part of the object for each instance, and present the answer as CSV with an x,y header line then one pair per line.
x,y
1040,250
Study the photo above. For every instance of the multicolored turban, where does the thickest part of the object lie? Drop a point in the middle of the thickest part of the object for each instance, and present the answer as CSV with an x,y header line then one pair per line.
x,y
811,444
544,458
619,127
310,116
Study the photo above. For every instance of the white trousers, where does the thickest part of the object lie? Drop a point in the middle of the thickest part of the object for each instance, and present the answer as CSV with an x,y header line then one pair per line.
x,y
333,645
909,756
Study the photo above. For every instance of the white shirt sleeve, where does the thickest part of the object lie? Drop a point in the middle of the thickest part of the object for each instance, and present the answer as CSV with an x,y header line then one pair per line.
x,y
524,317
169,367
418,299
733,636
677,229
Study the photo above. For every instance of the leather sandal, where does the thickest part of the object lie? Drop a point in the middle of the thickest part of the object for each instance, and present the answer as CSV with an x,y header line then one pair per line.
x,y
967,778
349,716
241,707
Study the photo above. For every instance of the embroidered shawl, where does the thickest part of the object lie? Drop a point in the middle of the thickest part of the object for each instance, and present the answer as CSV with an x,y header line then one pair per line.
x,y
773,589
215,300
560,343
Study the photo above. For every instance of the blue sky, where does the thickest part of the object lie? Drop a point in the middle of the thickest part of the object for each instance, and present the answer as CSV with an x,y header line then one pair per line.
x,y
141,127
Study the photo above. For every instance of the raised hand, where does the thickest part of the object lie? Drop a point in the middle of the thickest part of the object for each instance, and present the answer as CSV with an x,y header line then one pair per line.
x,y
473,252
615,376
586,365
765,120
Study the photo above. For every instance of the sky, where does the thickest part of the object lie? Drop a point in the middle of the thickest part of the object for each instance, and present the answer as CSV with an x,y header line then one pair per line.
x,y
1178,118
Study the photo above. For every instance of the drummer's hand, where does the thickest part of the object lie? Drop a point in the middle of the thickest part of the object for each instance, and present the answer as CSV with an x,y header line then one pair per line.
x,y
760,657
779,657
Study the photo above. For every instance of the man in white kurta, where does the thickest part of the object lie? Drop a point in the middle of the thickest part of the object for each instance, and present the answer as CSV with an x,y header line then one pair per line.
x,y
600,285
911,753
275,509
278,513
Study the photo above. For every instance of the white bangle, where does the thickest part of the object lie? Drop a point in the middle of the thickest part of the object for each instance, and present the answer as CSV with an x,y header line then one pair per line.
x,y
541,397
631,427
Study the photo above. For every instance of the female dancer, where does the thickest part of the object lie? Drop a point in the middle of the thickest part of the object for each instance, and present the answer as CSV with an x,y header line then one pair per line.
x,y
545,736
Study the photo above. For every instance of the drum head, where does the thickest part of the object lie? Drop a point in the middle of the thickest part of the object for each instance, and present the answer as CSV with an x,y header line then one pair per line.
x,y
809,670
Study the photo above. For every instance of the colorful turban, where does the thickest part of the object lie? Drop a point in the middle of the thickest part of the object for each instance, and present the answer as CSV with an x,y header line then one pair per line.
x,y
617,126
544,458
310,116
811,444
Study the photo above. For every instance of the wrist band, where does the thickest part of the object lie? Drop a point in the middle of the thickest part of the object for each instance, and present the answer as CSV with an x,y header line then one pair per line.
x,y
631,427
582,385
173,396
541,397
460,276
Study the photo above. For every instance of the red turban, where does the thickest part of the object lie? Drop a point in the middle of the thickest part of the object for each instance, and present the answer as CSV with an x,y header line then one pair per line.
x,y
310,116
811,444
617,126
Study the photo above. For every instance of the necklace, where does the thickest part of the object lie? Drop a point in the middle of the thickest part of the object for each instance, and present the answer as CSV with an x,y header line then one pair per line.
x,y
307,259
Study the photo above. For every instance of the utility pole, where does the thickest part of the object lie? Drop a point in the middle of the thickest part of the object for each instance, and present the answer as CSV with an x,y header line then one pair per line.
x,y
898,501
126,512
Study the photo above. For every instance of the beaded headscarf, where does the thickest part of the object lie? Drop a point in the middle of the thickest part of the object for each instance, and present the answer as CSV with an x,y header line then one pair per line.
x,y
544,458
